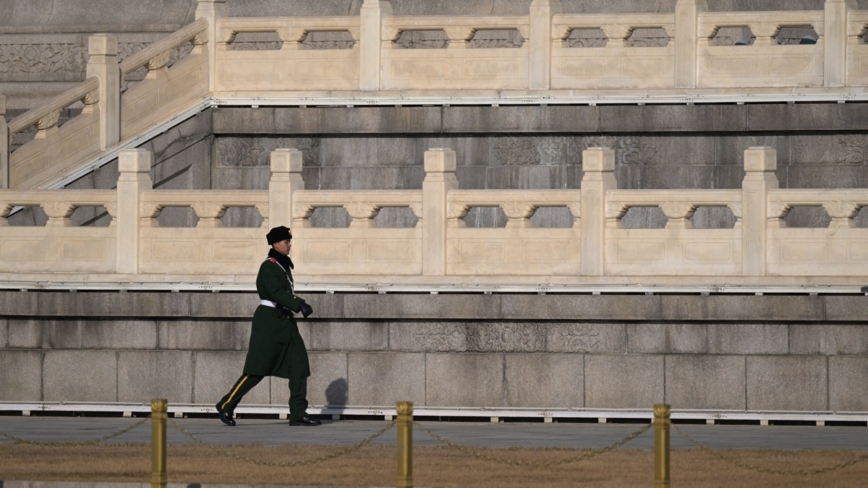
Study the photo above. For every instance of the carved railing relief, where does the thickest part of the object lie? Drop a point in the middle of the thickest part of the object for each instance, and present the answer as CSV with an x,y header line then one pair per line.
x,y
678,247
464,64
361,249
165,91
836,250
441,248
291,67
764,63
519,248
58,246
55,148
174,250
362,54
617,65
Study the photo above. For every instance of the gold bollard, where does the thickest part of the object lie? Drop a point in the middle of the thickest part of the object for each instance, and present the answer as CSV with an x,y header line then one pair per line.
x,y
405,445
159,406
661,445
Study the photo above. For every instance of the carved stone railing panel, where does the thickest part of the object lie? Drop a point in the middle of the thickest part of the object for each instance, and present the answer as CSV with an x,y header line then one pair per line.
x,y
168,87
59,246
472,58
51,144
362,248
325,49
620,64
765,63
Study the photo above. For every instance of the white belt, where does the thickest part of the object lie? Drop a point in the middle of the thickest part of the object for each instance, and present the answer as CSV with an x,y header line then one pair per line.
x,y
268,303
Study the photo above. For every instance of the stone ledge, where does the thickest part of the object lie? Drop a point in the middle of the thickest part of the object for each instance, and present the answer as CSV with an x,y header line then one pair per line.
x,y
542,119
458,306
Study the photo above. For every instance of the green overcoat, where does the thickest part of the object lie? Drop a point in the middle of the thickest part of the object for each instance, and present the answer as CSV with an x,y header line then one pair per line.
x,y
276,347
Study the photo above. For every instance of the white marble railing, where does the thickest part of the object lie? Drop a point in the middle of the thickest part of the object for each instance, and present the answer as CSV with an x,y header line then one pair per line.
x,y
440,248
370,64
108,117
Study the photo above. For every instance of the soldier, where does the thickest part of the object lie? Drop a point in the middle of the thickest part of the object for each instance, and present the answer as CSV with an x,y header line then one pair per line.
x,y
276,347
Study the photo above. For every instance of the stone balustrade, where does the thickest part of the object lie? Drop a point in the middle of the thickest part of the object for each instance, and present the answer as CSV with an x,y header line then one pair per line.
x,y
53,147
441,248
545,57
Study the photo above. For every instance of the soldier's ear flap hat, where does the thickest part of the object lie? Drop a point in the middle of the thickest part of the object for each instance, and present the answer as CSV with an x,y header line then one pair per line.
x,y
278,234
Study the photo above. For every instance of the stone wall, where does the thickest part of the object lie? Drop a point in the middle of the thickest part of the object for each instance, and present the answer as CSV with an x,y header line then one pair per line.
x,y
800,353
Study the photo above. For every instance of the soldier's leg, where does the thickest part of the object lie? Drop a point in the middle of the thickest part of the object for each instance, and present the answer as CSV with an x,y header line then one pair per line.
x,y
244,384
297,396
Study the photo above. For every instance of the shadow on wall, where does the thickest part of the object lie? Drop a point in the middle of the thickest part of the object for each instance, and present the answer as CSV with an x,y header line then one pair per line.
x,y
336,395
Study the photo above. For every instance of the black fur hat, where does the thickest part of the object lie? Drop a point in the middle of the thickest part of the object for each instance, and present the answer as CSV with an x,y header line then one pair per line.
x,y
278,234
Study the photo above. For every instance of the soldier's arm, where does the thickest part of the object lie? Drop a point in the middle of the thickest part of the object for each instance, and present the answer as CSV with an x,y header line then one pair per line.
x,y
273,283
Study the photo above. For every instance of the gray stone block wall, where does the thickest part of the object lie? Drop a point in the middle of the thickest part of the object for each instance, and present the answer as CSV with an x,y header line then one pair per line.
x,y
788,383
628,351
21,376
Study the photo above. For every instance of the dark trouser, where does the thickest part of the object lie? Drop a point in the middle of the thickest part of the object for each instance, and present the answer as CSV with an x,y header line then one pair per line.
x,y
297,394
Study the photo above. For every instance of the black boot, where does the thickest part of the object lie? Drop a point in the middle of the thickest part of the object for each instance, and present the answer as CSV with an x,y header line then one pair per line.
x,y
225,416
305,421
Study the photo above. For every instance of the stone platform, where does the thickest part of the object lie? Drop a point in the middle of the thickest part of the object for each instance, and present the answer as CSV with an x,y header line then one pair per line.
x,y
798,353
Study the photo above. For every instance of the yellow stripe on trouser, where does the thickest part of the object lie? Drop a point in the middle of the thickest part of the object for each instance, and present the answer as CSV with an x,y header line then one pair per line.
x,y
234,391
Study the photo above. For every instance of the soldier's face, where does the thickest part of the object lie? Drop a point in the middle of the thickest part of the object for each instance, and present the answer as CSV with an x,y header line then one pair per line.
x,y
283,247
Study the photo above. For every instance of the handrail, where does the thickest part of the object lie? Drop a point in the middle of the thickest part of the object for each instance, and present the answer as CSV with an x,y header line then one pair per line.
x,y
59,102
82,198
496,198
170,42
229,198
696,197
339,198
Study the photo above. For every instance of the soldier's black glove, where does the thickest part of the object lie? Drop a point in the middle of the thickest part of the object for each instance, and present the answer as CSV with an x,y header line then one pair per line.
x,y
305,309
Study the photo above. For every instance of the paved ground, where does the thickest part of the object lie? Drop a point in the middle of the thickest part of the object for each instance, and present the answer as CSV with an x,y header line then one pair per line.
x,y
566,435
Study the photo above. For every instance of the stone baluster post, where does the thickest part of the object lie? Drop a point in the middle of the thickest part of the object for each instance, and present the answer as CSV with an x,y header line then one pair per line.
x,y
834,39
439,180
4,146
286,178
541,12
598,164
370,42
211,10
134,166
686,41
103,63
760,164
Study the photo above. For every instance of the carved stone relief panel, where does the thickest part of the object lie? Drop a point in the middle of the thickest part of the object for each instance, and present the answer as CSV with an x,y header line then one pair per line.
x,y
574,338
441,337
506,337
853,149
249,152
628,149
39,58
529,151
